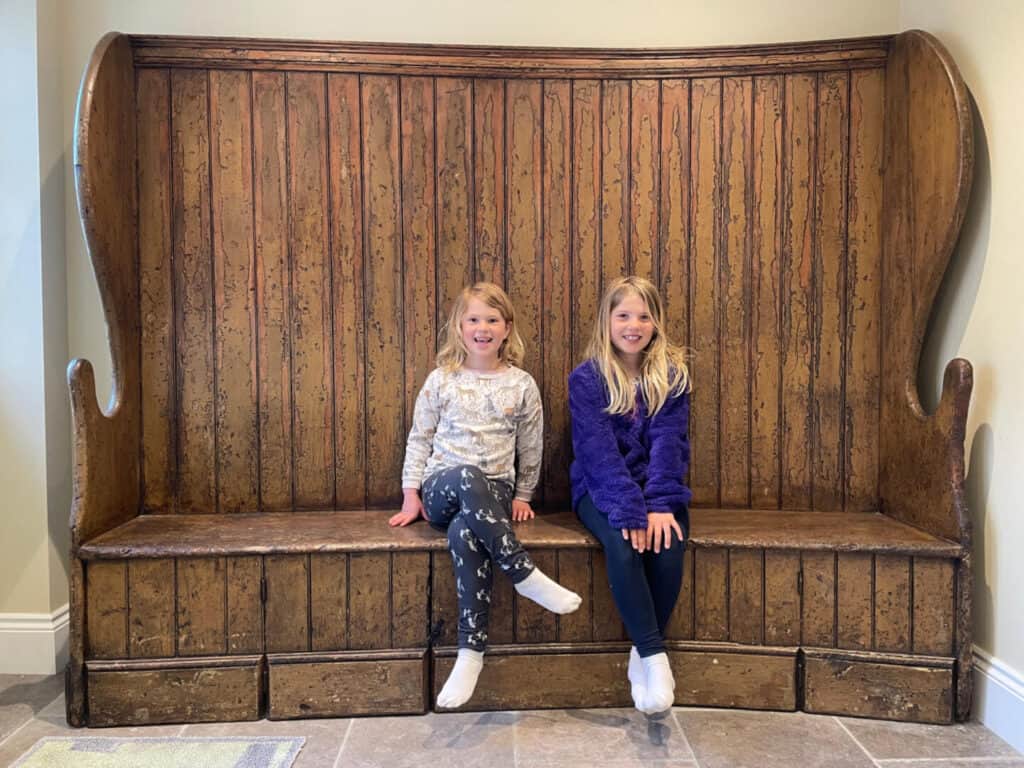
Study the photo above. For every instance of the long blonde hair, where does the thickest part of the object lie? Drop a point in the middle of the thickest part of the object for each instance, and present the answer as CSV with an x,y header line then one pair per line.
x,y
663,370
453,350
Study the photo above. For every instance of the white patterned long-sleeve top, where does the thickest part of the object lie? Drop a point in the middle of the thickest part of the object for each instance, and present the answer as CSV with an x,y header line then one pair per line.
x,y
489,420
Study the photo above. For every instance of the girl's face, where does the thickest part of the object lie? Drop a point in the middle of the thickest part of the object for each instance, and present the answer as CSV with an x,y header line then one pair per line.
x,y
483,330
631,327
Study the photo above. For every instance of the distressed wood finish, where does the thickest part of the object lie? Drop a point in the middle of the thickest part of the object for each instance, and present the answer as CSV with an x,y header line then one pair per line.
x,y
915,689
278,241
325,685
305,234
165,691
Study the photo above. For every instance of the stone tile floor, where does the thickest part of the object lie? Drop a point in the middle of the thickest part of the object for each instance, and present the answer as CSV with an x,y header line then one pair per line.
x,y
32,707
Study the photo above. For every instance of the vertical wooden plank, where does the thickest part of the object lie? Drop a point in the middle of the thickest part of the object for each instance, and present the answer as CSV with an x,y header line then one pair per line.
x,y
863,299
680,625
418,240
150,608
245,608
711,588
312,369
734,287
533,623
502,624
287,606
829,290
234,290
444,608
706,190
273,290
574,573
454,116
892,603
525,247
933,606
607,622
328,602
765,276
781,597
586,211
410,573
746,604
675,208
384,340
645,178
798,258
556,323
348,329
156,287
854,591
193,290
369,600
615,167
106,610
202,606
819,599
489,179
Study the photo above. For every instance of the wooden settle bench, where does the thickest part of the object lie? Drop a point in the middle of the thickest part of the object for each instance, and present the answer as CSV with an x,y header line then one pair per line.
x,y
278,229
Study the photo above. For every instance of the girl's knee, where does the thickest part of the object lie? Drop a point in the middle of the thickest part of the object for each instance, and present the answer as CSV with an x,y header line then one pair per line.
x,y
620,554
461,540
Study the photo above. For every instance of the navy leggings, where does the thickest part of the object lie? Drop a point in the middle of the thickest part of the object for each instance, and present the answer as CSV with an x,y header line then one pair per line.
x,y
645,586
476,512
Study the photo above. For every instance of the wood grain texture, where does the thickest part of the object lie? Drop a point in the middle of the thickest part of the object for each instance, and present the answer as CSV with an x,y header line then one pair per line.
x,y
863,688
150,608
818,613
287,605
711,584
106,610
244,605
892,603
855,600
176,695
340,688
735,679
201,591
328,602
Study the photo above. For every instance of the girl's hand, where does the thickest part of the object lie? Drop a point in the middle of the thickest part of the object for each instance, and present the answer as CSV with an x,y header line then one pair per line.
x,y
412,509
521,510
637,537
659,528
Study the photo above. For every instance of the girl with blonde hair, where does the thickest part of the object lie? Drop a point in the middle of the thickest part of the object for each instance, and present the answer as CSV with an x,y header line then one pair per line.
x,y
474,451
630,408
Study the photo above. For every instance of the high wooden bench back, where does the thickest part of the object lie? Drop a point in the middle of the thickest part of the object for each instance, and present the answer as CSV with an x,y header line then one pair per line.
x,y
278,230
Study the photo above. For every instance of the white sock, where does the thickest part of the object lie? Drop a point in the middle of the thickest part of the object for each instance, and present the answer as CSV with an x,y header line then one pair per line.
x,y
462,681
637,679
660,684
547,593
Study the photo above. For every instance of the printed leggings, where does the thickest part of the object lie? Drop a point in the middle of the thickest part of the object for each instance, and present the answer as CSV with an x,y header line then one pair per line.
x,y
476,512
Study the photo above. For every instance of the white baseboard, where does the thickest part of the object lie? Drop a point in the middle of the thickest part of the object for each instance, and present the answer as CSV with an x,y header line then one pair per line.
x,y
999,698
34,643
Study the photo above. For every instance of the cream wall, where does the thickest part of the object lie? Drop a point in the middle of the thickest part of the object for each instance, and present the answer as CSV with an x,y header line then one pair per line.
x,y
34,422
981,314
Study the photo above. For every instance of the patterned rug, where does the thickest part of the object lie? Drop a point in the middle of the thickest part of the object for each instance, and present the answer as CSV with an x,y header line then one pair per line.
x,y
168,752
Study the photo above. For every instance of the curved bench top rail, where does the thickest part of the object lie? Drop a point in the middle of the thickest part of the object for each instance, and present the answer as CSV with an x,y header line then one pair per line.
x,y
505,61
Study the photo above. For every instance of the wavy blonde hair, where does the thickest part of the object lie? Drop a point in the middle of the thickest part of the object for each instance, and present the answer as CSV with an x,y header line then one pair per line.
x,y
663,369
453,350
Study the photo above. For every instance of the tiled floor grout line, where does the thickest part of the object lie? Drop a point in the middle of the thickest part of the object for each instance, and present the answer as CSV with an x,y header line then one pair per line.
x,y
686,741
1008,759
344,741
857,742
10,735
515,740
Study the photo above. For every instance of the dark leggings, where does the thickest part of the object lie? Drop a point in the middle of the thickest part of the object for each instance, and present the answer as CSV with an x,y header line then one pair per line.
x,y
645,586
476,512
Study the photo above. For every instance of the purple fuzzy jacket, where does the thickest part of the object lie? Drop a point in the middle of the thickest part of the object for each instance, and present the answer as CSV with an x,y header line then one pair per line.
x,y
629,465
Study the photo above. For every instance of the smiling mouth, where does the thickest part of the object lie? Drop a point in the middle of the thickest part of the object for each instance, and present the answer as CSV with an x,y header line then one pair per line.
x,y
631,338
482,340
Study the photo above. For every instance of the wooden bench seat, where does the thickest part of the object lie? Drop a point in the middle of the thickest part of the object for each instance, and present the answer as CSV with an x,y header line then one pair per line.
x,y
278,230
367,530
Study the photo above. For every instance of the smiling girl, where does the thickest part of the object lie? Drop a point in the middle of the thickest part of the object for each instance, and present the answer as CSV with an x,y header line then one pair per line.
x,y
477,417
630,405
